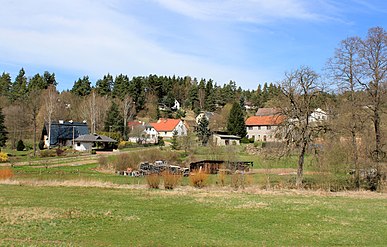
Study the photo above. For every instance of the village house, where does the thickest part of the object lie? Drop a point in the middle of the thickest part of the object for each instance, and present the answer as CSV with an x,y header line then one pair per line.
x,y
140,132
87,142
264,125
223,139
63,133
167,126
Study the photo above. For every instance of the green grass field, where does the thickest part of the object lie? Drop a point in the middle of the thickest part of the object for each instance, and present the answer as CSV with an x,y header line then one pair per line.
x,y
87,216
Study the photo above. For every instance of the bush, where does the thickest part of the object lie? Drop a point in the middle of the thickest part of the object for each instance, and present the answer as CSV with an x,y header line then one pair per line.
x,y
245,140
170,180
153,181
47,153
198,179
41,145
3,157
20,145
125,160
93,151
5,173
59,152
103,161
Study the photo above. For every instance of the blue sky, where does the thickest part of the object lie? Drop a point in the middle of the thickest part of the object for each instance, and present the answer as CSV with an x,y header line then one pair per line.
x,y
247,41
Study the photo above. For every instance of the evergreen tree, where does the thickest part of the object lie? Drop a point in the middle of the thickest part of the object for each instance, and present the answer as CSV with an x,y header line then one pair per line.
x,y
19,87
236,121
5,84
121,86
174,143
210,104
49,79
3,130
36,83
114,121
82,87
104,86
203,132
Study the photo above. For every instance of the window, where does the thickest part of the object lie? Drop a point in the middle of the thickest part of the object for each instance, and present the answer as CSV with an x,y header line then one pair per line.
x,y
227,142
259,127
250,127
268,127
165,132
264,138
78,144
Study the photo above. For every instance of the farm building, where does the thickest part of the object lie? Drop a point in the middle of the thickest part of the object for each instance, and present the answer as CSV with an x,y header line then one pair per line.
x,y
213,166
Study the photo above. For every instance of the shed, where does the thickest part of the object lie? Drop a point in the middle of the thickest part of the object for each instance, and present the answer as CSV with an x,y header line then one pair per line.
x,y
63,133
86,142
213,166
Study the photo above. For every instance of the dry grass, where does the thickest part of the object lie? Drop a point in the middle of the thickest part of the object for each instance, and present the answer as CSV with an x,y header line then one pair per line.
x,y
198,179
6,173
153,181
170,180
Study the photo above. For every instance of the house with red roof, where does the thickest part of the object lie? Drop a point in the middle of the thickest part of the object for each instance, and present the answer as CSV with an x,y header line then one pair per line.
x,y
167,126
264,127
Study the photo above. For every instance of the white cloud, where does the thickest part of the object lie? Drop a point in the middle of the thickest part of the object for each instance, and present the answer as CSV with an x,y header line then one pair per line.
x,y
256,11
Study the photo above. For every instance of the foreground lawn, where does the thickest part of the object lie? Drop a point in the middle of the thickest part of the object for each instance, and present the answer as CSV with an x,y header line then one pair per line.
x,y
85,216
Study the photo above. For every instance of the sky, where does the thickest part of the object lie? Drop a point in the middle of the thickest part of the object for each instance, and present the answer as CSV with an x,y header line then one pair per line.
x,y
247,41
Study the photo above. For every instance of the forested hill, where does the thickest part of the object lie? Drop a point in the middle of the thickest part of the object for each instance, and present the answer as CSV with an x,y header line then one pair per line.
x,y
192,94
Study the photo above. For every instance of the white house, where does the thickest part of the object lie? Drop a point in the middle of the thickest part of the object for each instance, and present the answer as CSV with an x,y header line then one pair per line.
x,y
176,106
166,127
206,114
225,140
87,142
318,115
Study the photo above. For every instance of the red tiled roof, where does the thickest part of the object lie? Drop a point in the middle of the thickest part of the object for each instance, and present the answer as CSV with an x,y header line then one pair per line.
x,y
165,124
134,123
264,120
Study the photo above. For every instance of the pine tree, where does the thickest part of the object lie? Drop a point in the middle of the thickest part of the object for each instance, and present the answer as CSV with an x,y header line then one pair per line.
x,y
5,84
104,86
36,83
19,87
114,121
82,87
3,130
174,143
236,121
203,132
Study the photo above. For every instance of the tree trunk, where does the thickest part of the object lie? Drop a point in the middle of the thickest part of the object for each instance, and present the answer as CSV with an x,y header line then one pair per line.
x,y
300,170
34,120
355,158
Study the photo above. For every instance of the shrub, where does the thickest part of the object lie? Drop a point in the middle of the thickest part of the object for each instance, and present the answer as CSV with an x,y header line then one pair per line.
x,y
41,145
103,161
5,173
59,152
153,181
20,145
3,157
198,179
170,180
47,153
125,160
93,151
222,177
245,140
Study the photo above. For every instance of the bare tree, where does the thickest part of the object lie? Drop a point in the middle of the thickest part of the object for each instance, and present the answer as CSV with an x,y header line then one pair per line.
x,y
298,99
373,54
33,105
345,70
50,99
128,110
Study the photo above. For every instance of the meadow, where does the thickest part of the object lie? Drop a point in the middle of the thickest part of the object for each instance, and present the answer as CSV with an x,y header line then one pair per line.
x,y
74,204
127,216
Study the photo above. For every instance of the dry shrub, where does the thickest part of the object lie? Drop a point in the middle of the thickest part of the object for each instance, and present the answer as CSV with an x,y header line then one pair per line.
x,y
222,178
103,162
3,157
170,180
153,181
125,160
5,173
198,179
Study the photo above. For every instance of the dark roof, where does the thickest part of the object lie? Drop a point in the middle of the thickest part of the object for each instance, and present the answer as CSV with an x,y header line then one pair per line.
x,y
268,112
65,131
94,138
